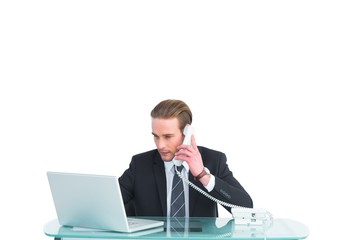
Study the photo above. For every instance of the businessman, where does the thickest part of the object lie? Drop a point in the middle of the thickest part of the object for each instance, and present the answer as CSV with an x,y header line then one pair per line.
x,y
151,186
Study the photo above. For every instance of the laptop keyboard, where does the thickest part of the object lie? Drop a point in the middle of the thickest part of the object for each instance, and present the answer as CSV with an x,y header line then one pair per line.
x,y
132,222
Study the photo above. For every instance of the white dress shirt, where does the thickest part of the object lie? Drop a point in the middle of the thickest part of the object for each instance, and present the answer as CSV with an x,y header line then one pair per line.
x,y
169,171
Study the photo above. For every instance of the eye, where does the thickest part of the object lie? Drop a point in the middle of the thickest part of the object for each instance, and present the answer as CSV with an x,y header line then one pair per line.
x,y
168,136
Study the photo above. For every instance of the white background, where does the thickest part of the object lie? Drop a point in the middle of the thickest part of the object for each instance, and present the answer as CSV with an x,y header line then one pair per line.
x,y
273,84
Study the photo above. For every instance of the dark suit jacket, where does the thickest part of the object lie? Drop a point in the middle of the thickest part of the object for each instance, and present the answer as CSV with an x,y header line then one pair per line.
x,y
143,186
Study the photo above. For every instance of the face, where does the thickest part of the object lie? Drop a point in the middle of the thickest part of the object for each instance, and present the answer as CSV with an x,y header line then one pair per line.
x,y
167,136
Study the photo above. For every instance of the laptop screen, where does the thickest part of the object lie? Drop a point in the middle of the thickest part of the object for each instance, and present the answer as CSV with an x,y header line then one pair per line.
x,y
91,201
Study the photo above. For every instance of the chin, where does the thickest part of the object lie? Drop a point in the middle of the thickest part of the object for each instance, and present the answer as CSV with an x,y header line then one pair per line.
x,y
167,159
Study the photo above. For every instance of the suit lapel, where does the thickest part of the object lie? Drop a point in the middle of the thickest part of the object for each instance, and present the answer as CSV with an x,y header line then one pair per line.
x,y
159,173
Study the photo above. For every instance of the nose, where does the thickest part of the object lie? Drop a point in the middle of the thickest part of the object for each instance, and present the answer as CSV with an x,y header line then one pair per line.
x,y
160,143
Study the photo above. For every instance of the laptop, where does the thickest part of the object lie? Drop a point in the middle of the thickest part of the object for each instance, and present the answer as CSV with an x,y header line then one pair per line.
x,y
93,201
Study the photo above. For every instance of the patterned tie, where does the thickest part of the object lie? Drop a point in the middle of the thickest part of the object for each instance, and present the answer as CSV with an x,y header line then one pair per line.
x,y
177,208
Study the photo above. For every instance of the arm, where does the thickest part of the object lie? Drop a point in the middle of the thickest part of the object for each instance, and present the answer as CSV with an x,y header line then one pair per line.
x,y
227,188
126,183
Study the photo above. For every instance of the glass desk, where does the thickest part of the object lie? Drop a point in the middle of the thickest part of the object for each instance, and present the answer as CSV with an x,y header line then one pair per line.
x,y
196,228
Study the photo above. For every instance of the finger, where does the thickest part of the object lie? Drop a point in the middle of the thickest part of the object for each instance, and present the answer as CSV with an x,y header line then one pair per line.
x,y
193,142
185,149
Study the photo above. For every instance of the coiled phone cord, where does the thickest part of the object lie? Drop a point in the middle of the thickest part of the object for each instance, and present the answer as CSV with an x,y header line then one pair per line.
x,y
270,216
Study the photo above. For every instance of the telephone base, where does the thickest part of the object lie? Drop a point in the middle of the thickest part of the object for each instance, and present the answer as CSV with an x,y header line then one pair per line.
x,y
249,216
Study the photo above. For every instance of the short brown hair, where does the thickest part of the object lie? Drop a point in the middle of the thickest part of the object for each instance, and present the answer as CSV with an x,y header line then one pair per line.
x,y
172,108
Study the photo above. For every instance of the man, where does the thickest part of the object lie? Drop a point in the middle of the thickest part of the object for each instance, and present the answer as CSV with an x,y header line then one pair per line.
x,y
146,185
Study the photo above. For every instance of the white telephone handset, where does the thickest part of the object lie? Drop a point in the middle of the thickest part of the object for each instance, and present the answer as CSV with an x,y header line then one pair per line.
x,y
188,132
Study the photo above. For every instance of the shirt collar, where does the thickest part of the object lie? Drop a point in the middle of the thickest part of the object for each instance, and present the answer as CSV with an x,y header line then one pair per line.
x,y
169,166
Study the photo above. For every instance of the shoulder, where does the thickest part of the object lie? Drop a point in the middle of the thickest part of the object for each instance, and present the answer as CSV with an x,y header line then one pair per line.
x,y
215,161
211,153
147,154
146,158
